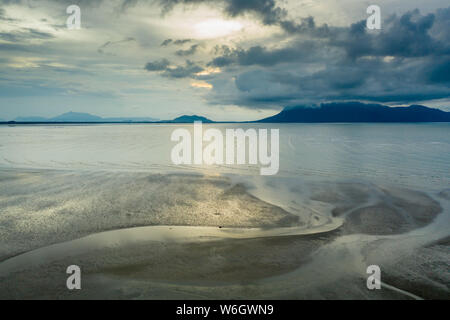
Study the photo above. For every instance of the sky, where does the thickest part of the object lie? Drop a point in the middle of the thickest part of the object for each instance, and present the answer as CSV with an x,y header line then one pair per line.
x,y
223,59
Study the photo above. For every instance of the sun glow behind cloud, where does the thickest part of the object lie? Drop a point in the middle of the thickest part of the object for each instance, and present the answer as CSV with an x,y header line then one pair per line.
x,y
215,28
208,71
201,84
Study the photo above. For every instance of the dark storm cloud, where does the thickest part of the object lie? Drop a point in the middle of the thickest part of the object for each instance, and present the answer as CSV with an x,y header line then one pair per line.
x,y
167,70
166,42
181,41
406,36
307,26
371,80
442,25
159,65
188,70
439,71
266,10
178,42
187,52
407,61
258,55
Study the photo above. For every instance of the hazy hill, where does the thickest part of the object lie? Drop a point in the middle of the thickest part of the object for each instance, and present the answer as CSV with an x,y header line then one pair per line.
x,y
131,119
76,117
82,117
30,119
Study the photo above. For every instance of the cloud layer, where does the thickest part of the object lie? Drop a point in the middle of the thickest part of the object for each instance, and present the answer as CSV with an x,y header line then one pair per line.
x,y
405,62
225,59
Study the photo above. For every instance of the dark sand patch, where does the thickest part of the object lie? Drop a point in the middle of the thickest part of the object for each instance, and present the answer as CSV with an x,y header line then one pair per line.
x,y
214,263
378,219
230,261
344,196
443,242
445,194
419,208
424,272
395,210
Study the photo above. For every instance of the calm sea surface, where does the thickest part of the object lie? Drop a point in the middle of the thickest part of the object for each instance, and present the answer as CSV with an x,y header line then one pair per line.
x,y
416,155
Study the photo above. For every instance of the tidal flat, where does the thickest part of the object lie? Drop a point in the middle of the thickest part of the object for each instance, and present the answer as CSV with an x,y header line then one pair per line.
x,y
161,236
108,199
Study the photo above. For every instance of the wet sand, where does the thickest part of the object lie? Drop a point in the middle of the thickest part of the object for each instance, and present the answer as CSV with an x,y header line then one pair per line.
x,y
42,208
208,237
423,271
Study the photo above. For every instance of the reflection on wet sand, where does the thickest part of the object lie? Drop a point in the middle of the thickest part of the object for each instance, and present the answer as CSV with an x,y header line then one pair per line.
x,y
194,236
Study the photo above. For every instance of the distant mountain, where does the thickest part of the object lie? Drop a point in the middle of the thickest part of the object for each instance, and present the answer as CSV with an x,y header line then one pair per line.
x,y
191,119
76,117
359,112
131,119
30,119
82,117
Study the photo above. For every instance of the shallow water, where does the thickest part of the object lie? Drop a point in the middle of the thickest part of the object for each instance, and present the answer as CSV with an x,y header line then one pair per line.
x,y
416,155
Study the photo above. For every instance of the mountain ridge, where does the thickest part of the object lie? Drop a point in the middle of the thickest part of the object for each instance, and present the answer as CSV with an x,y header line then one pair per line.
x,y
82,117
191,119
323,113
357,112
